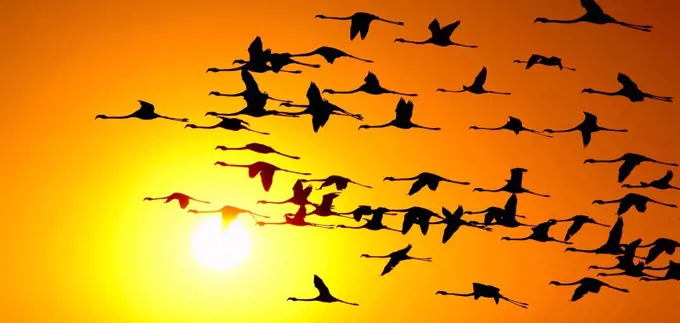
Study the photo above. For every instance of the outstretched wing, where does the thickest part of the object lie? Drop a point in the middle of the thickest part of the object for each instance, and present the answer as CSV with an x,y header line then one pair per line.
x,y
434,27
450,229
573,229
319,284
586,136
666,178
371,79
416,187
625,170
255,48
626,81
450,28
481,78
145,107
267,177
251,85
511,205
404,111
654,252
592,7
313,94
390,265
580,290
616,233
535,58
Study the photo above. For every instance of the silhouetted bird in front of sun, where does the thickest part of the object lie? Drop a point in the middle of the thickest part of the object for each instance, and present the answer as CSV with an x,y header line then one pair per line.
x,y
404,112
577,223
506,216
454,221
232,124
613,244
543,60
632,199
146,111
361,21
298,219
340,182
673,273
487,291
439,36
257,61
595,15
587,285
374,224
300,195
659,246
630,90
229,213
258,148
324,294
319,108
330,54
265,170
515,125
630,161
540,233
182,199
477,87
431,180
395,258
663,183
513,185
371,86
587,128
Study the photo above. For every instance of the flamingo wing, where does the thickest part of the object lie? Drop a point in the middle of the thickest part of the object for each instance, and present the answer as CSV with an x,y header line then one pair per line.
x,y
320,286
592,7
654,252
580,291
535,58
626,81
666,179
616,233
450,229
404,111
511,205
390,265
371,79
586,137
434,27
145,107
625,170
251,85
267,177
183,202
407,224
313,94
417,186
255,48
450,28
573,229
480,79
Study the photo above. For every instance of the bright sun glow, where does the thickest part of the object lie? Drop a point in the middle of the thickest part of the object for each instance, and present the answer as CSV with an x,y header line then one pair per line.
x,y
219,248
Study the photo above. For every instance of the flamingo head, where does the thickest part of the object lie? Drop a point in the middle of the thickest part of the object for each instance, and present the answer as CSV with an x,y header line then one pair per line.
x,y
542,20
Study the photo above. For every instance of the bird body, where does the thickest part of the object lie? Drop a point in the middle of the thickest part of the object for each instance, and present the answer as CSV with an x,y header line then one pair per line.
x,y
630,161
587,285
659,246
587,128
633,200
258,148
361,21
402,120
477,87
513,185
232,124
340,182
577,223
324,294
480,290
514,124
629,90
181,198
319,108
613,244
330,54
264,169
454,221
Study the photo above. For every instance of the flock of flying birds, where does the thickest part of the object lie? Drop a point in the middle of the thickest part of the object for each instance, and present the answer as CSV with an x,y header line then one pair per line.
x,y
321,109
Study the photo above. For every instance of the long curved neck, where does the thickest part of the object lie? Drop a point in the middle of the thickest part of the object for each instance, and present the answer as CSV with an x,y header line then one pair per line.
x,y
369,256
347,92
483,128
389,21
377,126
606,93
560,21
120,117
427,41
336,18
607,160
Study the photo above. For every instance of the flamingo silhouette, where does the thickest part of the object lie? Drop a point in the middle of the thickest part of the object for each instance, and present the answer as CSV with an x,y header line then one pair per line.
x,y
297,219
319,108
637,270
300,195
587,128
659,246
513,185
330,54
374,224
672,273
279,60
625,261
340,182
404,112
324,294
540,233
487,291
578,222
326,207
662,183
361,21
613,244
258,148
232,124
454,221
587,285
146,111
515,125
632,199
431,180
439,36
229,213
543,60
630,90
595,15
477,86
395,258
257,61
506,216
181,198
630,161
417,215
371,86
265,170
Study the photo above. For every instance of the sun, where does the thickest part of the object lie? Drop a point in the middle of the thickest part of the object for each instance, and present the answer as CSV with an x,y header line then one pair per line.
x,y
219,248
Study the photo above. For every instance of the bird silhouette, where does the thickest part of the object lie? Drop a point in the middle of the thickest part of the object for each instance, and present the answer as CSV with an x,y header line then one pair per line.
x,y
395,258
257,61
319,108
298,219
587,128
477,86
431,180
515,125
662,183
340,182
265,170
637,270
672,273
626,260
360,212
374,224
330,54
232,124
300,195
417,215
439,36
632,199
371,86
181,198
613,244
595,15
577,223
229,213
279,60
587,285
543,60
258,148
324,294
454,221
659,246
506,216
630,161
326,207
361,21
630,90
487,291
404,112
146,111
513,185
540,233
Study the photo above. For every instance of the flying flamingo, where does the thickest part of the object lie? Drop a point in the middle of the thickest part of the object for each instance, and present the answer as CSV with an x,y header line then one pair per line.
x,y
477,86
395,258
513,185
625,261
371,86
146,111
374,224
632,199
540,233
360,212
257,61
439,36
659,246
232,124
300,195
454,221
326,207
417,215
637,270
630,90
319,108
662,183
265,170
258,148
514,124
672,273
422,179
324,294
595,15
578,222
340,182
229,213
279,60
506,216
330,54
587,285
361,21
402,120
543,60
181,198
297,219
587,128
630,161
613,244
487,291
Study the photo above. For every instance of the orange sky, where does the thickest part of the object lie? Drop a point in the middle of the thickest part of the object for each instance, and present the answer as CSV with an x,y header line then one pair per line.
x,y
81,246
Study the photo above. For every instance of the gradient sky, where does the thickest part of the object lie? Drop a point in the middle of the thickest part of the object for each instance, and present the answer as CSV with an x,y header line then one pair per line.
x,y
80,245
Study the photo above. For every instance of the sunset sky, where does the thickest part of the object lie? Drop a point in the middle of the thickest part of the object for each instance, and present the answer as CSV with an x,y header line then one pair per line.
x,y
80,245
